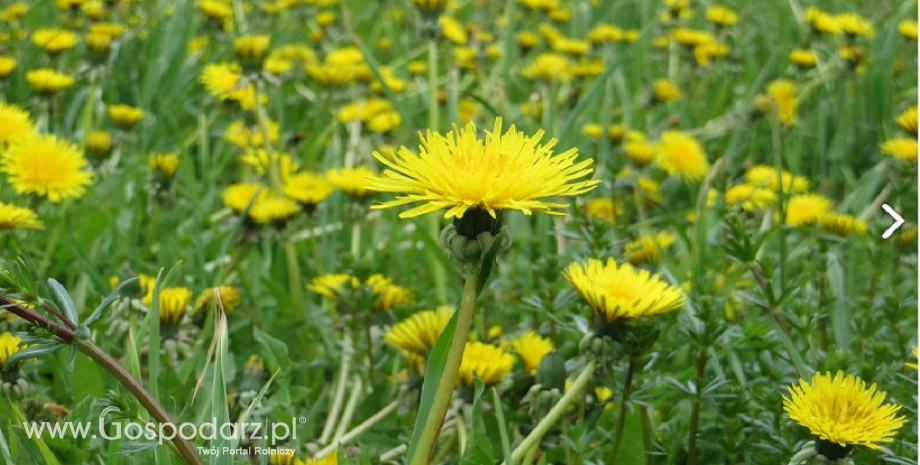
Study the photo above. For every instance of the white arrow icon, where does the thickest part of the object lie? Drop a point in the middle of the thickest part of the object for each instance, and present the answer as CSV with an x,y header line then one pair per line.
x,y
898,221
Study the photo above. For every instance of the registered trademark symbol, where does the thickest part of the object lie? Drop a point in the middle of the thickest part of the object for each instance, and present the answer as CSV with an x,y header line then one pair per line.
x,y
302,420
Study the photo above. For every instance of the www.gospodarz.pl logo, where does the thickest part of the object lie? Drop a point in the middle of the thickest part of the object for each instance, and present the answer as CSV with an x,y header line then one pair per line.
x,y
134,431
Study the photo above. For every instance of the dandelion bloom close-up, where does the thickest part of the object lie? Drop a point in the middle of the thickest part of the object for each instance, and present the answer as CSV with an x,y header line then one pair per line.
x,y
620,292
459,171
46,166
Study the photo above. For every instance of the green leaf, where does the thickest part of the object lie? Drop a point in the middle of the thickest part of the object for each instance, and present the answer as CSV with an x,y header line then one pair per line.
x,y
63,298
34,352
502,427
276,351
839,313
479,447
433,374
114,295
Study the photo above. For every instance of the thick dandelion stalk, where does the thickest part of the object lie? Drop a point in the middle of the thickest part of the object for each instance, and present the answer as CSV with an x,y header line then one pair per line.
x,y
431,426
532,441
621,419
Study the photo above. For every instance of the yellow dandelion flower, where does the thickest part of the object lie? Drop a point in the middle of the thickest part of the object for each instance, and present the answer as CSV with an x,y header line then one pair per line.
x,y
620,292
46,166
164,163
9,345
842,224
98,142
215,9
333,285
363,110
908,120
805,208
721,15
751,198
226,82
354,181
174,302
781,99
842,411
664,90
125,116
691,38
308,188
705,53
97,42
640,152
112,30
453,30
571,47
803,58
460,172
259,159
592,130
908,29
229,298
418,333
384,122
647,249
766,176
325,19
531,347
49,81
681,155
855,25
605,33
547,67
13,217
7,65
15,123
491,363
54,40
902,148
251,47
603,208
244,136
238,196
387,293
822,21
273,210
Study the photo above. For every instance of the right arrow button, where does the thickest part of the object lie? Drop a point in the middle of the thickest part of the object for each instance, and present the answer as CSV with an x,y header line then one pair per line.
x,y
898,221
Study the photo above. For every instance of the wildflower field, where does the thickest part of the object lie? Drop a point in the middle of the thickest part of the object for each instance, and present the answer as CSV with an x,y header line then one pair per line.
x,y
458,232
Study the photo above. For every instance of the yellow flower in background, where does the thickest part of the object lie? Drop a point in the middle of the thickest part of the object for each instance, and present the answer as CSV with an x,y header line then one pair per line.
x,y
125,116
721,15
418,333
640,152
219,10
164,163
681,155
387,293
174,302
908,29
13,217
354,181
363,110
15,123
902,148
459,172
98,142
112,30
664,90
803,58
547,67
225,81
49,81
705,53
9,345
54,41
384,122
841,410
620,292
766,176
273,210
531,347
47,167
751,198
251,47
842,224
7,65
571,47
229,298
855,25
491,363
453,30
238,196
604,33
781,99
806,208
908,120
647,248
603,207
259,159
822,21
333,285
308,188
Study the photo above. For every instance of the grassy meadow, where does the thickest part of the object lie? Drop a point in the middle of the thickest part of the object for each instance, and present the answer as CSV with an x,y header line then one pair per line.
x,y
459,232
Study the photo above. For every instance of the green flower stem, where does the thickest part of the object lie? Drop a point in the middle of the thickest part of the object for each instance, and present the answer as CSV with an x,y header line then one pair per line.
x,y
339,391
431,427
358,430
51,248
434,228
621,419
702,357
112,366
357,387
533,439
